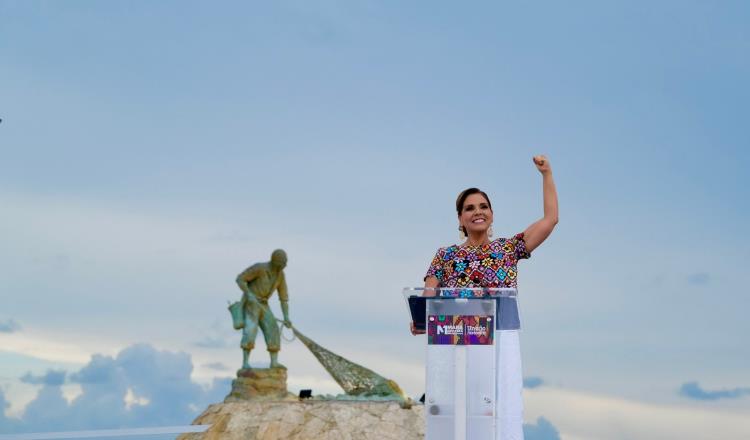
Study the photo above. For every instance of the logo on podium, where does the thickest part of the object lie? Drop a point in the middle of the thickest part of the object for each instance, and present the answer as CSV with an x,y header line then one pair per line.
x,y
460,330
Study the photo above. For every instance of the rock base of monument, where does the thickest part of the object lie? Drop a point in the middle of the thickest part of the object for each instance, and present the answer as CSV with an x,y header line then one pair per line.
x,y
259,384
320,420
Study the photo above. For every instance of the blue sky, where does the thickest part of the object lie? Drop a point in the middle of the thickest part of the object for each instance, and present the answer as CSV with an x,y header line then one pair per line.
x,y
150,152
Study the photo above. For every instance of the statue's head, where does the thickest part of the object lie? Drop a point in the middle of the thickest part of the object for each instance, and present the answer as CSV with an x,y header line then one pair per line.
x,y
278,259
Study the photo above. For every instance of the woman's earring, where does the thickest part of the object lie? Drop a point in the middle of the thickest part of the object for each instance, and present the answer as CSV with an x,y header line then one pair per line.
x,y
489,231
461,234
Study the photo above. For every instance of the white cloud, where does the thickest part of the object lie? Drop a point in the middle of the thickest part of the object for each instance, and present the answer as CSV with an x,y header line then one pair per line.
x,y
132,400
584,416
9,326
693,390
175,276
138,386
541,430
71,391
53,346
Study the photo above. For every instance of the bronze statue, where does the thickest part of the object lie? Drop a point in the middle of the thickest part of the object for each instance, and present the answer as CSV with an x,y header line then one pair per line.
x,y
258,282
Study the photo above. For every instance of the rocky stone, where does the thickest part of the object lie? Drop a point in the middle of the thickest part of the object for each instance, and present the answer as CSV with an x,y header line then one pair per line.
x,y
259,384
305,420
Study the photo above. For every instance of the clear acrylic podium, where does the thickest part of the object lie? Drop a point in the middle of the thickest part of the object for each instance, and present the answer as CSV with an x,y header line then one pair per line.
x,y
461,324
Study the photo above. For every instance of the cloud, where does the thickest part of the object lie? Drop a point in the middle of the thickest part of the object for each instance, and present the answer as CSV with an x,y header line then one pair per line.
x,y
699,279
216,366
532,382
232,236
693,390
219,335
140,386
52,377
542,430
48,410
57,262
9,326
219,389
7,424
585,416
212,342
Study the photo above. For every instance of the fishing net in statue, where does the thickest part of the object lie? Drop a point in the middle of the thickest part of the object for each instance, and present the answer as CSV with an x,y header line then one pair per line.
x,y
355,379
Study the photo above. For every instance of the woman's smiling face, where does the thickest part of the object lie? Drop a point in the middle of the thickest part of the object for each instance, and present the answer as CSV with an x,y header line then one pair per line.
x,y
476,214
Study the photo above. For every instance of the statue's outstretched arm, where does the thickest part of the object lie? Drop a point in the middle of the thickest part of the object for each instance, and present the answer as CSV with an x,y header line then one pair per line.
x,y
284,298
285,311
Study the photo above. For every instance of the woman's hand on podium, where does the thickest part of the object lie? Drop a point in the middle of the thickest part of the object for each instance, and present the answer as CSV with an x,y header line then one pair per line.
x,y
414,330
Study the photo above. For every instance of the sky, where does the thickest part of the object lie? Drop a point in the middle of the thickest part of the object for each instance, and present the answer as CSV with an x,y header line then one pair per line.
x,y
151,151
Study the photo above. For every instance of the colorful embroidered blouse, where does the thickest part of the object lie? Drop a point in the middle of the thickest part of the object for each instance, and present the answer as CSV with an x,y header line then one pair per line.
x,y
492,265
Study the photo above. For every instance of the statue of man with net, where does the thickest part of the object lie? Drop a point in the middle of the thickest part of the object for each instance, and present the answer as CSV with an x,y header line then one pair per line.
x,y
258,282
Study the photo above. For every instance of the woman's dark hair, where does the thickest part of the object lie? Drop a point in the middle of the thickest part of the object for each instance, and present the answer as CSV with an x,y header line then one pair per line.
x,y
466,193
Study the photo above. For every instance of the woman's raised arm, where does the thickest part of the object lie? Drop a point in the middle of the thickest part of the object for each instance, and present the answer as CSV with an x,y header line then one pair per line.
x,y
535,234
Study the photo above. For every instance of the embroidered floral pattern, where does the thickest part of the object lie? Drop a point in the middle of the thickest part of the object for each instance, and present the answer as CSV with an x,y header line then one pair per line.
x,y
491,265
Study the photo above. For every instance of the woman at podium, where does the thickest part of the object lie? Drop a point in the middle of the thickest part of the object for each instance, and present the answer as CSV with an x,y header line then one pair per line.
x,y
481,261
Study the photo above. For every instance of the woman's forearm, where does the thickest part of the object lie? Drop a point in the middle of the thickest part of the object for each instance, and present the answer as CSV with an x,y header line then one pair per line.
x,y
538,231
549,193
